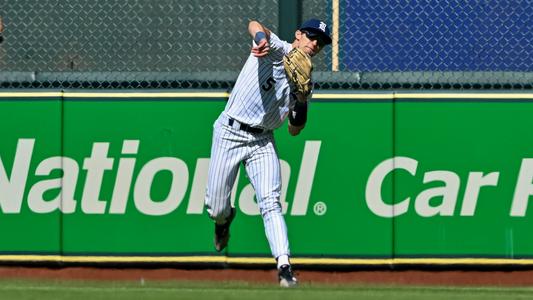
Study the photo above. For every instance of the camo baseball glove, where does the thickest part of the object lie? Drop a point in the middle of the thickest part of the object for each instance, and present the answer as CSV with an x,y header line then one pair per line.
x,y
298,67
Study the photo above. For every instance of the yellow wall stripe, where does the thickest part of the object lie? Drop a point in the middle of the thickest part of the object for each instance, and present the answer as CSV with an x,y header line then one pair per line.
x,y
463,95
354,96
264,260
115,95
147,95
339,96
30,94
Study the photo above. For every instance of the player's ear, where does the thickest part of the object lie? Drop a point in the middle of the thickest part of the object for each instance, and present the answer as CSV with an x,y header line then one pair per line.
x,y
298,35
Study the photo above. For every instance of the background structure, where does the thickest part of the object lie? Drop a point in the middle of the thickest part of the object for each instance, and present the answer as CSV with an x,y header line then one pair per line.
x,y
202,44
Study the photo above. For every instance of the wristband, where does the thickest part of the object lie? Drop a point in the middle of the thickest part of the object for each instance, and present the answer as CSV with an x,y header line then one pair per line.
x,y
259,36
298,115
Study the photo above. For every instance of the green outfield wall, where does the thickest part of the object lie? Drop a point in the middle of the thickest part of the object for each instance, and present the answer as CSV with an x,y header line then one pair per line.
x,y
374,179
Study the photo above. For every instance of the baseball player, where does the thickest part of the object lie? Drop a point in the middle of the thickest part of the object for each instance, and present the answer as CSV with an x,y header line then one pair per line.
x,y
263,97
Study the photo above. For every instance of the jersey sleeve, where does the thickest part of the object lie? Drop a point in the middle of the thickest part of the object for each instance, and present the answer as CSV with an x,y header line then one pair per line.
x,y
278,48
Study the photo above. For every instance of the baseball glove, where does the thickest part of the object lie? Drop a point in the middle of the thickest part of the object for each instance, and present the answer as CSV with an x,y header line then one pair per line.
x,y
298,67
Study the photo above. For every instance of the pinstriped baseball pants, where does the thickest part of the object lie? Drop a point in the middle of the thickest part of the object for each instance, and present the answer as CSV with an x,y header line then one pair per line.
x,y
230,147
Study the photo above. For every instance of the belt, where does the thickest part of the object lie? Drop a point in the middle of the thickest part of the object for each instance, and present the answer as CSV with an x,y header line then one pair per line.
x,y
245,127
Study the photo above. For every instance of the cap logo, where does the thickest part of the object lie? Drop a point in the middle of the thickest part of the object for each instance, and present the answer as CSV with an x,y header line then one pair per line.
x,y
322,26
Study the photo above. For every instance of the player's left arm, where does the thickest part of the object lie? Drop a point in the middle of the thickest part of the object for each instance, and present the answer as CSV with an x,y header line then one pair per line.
x,y
298,115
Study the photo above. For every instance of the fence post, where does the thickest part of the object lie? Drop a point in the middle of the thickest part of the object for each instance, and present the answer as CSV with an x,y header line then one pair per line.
x,y
290,17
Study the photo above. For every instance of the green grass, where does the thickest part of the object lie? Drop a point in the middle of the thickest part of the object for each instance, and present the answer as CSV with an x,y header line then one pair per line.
x,y
81,290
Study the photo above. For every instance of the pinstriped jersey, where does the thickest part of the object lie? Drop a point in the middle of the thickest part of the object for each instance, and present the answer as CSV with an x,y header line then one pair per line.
x,y
261,96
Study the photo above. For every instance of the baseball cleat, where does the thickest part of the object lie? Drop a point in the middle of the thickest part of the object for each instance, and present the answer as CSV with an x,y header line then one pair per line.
x,y
286,278
222,232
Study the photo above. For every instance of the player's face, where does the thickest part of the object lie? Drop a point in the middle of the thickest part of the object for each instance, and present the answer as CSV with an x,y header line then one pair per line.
x,y
310,43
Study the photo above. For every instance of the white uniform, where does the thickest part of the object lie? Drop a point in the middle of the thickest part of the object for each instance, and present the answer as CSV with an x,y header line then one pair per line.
x,y
260,99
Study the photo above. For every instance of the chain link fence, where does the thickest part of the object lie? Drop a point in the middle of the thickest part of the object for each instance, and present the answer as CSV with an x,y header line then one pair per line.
x,y
454,44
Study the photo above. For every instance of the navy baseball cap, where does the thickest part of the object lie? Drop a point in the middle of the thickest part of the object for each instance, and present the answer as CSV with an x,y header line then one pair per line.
x,y
317,27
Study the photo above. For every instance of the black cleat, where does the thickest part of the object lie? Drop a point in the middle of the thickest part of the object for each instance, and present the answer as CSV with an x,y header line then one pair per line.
x,y
222,232
286,278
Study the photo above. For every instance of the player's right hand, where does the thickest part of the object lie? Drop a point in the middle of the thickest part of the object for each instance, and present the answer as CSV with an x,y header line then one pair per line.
x,y
261,49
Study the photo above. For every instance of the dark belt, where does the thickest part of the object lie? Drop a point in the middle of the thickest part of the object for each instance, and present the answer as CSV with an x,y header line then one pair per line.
x,y
245,127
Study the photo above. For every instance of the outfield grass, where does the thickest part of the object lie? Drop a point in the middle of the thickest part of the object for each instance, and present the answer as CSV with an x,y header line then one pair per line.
x,y
81,290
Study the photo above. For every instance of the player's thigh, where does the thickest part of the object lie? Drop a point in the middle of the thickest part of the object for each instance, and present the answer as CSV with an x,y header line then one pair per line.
x,y
264,171
226,156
